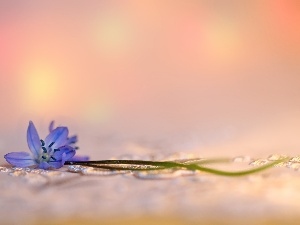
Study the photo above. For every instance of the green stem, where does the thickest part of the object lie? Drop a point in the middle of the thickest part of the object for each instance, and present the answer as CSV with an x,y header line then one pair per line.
x,y
148,163
233,173
107,164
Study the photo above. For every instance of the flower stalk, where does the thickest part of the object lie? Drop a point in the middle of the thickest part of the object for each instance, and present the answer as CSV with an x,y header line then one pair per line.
x,y
138,165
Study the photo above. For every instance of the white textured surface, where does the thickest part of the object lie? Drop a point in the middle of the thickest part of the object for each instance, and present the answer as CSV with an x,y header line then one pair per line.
x,y
33,195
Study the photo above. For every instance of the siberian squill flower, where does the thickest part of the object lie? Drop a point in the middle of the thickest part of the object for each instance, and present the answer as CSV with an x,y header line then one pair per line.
x,y
52,152
71,141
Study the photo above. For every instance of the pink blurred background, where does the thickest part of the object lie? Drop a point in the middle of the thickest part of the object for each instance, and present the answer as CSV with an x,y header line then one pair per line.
x,y
212,77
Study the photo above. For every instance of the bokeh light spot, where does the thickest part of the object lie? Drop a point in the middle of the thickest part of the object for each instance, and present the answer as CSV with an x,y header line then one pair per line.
x,y
41,88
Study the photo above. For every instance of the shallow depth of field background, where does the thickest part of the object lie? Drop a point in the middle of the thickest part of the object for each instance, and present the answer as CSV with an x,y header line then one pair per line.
x,y
211,77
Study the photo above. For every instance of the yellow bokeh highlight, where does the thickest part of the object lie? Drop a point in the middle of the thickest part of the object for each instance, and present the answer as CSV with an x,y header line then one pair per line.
x,y
41,88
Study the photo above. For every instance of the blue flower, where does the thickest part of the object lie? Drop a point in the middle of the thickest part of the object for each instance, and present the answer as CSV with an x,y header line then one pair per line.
x,y
49,153
71,141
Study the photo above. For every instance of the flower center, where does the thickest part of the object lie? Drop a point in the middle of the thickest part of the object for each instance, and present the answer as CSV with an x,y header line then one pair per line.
x,y
47,152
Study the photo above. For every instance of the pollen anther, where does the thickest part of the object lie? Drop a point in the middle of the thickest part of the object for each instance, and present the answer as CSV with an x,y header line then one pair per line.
x,y
44,149
52,143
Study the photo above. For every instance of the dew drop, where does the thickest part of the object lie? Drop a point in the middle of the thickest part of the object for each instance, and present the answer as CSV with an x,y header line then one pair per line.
x,y
101,172
21,169
75,168
155,175
295,159
85,170
292,165
275,157
242,159
39,171
5,169
18,173
259,162
162,174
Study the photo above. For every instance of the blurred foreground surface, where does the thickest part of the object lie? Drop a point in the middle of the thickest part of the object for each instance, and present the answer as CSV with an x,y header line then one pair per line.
x,y
55,197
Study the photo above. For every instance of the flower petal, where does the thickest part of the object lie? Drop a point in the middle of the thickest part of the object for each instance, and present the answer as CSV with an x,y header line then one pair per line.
x,y
68,153
79,158
59,136
55,164
64,154
44,165
33,140
72,140
20,159
65,151
51,126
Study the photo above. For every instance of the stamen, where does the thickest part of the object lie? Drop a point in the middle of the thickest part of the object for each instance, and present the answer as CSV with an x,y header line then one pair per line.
x,y
51,145
44,149
44,157
42,142
53,158
56,150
